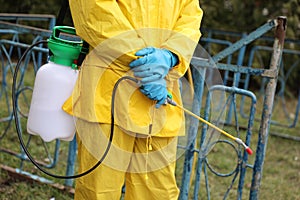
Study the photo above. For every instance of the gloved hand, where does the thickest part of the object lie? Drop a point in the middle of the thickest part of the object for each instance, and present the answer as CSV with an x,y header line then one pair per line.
x,y
156,90
154,64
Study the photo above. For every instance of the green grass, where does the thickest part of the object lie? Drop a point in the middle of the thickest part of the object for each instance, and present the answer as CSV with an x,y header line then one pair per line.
x,y
12,188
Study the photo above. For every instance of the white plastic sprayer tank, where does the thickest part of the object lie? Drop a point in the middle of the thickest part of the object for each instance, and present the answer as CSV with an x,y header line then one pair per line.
x,y
53,85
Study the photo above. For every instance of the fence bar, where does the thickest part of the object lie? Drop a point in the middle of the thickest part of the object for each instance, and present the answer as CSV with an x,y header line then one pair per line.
x,y
199,80
29,17
246,40
267,109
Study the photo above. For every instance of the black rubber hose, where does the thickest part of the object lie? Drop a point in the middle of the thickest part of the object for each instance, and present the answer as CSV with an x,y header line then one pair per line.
x,y
19,130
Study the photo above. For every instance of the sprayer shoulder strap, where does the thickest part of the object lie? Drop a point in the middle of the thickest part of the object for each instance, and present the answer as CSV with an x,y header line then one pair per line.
x,y
83,52
62,13
60,21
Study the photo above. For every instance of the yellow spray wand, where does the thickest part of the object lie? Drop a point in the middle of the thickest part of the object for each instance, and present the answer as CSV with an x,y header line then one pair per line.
x,y
237,140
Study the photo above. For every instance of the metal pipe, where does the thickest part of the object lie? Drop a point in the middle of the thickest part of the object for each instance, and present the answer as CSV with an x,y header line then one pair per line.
x,y
267,108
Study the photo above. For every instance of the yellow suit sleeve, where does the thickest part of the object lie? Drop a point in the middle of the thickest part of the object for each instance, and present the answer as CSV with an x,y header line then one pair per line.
x,y
96,21
185,36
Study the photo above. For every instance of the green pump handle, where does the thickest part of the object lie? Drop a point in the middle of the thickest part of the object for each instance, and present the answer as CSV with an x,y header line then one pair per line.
x,y
65,29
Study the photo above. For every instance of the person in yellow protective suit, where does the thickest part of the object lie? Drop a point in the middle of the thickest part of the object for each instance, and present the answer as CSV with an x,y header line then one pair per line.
x,y
152,41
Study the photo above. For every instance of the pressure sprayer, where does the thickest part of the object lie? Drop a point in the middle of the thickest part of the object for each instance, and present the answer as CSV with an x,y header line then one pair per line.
x,y
54,83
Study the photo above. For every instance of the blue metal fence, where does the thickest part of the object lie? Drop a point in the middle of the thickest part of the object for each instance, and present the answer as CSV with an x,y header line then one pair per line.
x,y
199,74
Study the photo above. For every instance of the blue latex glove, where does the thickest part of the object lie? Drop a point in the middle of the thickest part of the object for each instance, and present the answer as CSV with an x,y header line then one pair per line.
x,y
154,64
156,90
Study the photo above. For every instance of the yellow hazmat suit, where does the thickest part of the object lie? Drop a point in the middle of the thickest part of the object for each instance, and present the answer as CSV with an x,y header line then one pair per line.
x,y
115,30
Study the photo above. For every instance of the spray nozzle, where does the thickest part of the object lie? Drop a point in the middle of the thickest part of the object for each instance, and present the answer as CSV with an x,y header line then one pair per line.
x,y
169,100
